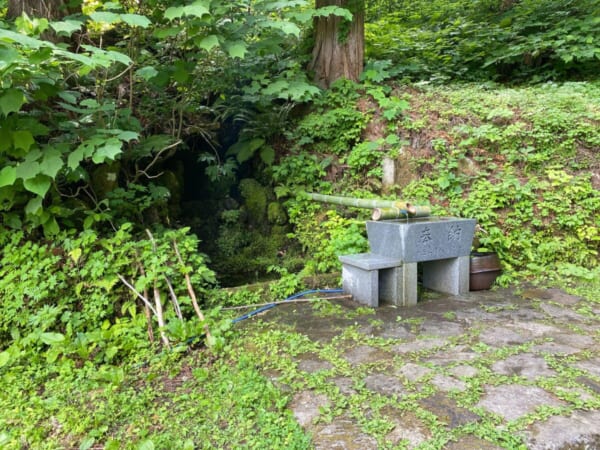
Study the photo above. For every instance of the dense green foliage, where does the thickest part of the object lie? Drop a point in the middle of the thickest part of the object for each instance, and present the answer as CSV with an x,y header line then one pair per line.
x,y
130,96
497,155
185,403
487,39
105,114
63,302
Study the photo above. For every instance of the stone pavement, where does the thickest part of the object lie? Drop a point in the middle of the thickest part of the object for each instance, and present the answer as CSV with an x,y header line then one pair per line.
x,y
486,370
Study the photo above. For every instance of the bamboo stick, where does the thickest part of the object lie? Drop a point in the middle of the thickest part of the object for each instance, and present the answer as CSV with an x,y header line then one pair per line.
x,y
134,290
174,299
190,288
396,213
148,319
389,213
368,203
383,209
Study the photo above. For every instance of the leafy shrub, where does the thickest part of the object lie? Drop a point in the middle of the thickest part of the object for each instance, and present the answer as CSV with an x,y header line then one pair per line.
x,y
325,236
63,300
475,40
331,130
334,125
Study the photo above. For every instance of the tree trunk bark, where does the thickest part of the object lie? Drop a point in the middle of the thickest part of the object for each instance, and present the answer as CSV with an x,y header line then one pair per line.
x,y
48,9
339,46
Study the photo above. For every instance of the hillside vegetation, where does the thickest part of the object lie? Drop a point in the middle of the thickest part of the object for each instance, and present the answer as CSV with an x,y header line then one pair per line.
x,y
522,161
151,154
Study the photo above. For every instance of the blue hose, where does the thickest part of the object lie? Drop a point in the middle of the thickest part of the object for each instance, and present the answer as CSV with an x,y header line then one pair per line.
x,y
272,305
293,297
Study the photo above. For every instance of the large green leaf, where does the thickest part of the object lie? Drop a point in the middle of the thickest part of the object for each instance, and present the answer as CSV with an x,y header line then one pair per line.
x,y
75,157
267,154
105,17
333,11
38,185
105,58
24,40
51,227
34,206
198,9
174,12
108,151
147,72
244,150
52,162
279,5
209,42
163,33
22,139
136,20
237,49
118,57
79,57
127,135
11,101
286,27
39,56
181,73
69,96
66,27
28,169
52,338
8,56
8,175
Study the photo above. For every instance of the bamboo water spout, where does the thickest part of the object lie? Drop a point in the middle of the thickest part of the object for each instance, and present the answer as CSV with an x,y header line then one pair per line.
x,y
382,209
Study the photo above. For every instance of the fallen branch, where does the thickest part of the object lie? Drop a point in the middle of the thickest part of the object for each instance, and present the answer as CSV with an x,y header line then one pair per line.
x,y
158,302
146,309
190,288
174,299
134,290
148,319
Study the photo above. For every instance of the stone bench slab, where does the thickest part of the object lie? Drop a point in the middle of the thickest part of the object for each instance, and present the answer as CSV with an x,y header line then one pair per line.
x,y
370,261
370,278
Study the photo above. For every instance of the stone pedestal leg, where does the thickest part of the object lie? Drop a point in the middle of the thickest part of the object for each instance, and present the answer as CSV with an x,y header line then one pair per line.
x,y
450,276
398,285
362,284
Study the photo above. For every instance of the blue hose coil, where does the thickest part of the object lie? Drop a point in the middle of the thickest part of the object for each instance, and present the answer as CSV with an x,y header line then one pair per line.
x,y
293,297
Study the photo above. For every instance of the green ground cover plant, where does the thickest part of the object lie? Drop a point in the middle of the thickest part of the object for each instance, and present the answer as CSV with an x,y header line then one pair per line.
x,y
173,400
522,161
111,328
529,40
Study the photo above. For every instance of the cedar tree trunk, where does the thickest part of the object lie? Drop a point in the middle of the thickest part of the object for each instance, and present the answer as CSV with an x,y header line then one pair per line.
x,y
339,45
48,9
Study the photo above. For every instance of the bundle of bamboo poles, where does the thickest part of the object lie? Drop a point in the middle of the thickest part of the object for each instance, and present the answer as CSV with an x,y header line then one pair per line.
x,y
382,209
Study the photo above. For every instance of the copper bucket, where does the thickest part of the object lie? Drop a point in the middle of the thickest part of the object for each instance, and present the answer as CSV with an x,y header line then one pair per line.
x,y
484,269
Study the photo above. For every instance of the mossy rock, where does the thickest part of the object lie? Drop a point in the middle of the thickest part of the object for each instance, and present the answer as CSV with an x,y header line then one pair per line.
x,y
255,200
276,214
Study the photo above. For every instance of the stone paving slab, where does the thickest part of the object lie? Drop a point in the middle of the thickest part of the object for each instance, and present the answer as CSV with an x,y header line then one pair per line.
x,y
513,401
415,377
